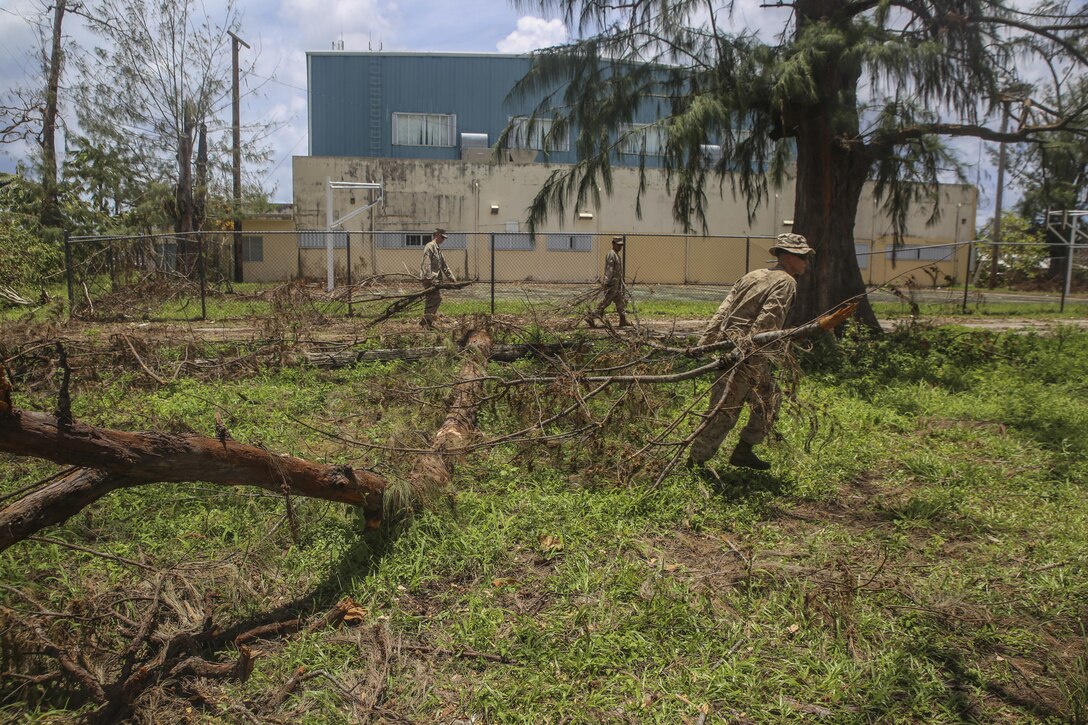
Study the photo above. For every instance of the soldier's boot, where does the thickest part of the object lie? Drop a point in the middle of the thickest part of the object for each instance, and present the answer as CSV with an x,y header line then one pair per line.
x,y
623,321
591,319
745,458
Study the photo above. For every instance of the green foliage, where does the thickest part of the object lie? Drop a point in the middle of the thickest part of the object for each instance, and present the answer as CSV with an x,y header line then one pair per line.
x,y
160,73
1018,266
30,259
1053,175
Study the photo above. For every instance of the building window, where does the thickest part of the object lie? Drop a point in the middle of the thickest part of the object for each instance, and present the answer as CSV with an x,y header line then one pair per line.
x,y
910,253
316,240
862,252
252,249
417,240
520,241
424,129
570,243
456,240
534,133
642,138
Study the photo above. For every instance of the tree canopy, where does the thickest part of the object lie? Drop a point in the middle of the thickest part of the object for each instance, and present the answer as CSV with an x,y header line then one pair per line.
x,y
851,90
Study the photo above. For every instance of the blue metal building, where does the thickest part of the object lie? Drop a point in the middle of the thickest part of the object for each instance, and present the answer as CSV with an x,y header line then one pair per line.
x,y
423,106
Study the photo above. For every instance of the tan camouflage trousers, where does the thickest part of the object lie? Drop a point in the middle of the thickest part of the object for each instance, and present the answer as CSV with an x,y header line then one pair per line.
x,y
431,302
612,295
750,383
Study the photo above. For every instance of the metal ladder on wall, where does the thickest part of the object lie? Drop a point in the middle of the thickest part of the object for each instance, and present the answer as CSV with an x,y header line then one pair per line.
x,y
374,111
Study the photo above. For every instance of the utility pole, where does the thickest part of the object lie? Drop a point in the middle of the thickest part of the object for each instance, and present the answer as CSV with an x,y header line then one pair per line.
x,y
995,250
235,41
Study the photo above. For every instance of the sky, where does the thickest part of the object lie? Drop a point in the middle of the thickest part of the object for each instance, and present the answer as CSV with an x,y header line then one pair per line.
x,y
280,32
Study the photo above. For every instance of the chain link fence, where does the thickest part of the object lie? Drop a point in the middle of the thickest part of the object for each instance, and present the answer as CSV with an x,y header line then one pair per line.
x,y
318,274
221,275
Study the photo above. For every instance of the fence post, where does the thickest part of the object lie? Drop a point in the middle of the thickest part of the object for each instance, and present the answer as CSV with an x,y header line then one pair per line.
x,y
623,282
347,252
113,270
492,235
966,276
1069,260
747,254
202,271
70,271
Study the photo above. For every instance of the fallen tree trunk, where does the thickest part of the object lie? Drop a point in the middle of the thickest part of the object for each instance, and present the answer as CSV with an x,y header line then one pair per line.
x,y
431,472
113,459
119,459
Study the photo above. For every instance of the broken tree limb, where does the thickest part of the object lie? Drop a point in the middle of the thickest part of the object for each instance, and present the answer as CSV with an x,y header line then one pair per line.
x,y
407,301
9,295
54,503
823,323
132,459
757,342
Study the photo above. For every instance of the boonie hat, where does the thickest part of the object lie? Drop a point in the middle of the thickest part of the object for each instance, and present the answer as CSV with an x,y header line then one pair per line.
x,y
439,232
617,240
794,244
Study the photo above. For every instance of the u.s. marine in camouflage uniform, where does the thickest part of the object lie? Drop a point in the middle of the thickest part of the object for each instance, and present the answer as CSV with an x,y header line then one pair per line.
x,y
432,270
758,302
612,286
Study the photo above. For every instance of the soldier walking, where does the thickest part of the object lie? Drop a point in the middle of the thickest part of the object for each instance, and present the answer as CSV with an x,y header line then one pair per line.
x,y
432,270
612,286
758,302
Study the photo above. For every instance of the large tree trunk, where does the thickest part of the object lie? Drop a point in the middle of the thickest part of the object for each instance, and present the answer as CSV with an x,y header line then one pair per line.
x,y
50,213
832,167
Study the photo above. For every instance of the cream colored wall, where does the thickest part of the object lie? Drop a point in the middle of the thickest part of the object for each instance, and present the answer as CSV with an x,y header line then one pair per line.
x,y
280,245
955,224
423,194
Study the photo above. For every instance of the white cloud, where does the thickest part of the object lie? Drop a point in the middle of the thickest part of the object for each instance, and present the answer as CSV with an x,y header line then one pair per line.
x,y
315,24
533,33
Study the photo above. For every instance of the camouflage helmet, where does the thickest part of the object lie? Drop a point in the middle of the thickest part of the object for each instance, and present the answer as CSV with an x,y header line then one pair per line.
x,y
794,244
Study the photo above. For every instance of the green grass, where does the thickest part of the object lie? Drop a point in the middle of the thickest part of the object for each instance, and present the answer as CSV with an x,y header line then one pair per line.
x,y
923,557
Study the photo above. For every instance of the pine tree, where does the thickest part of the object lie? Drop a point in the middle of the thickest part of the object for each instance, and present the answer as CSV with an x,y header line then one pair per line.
x,y
852,90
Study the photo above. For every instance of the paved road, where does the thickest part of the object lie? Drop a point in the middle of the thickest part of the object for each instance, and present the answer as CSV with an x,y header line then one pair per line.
x,y
976,297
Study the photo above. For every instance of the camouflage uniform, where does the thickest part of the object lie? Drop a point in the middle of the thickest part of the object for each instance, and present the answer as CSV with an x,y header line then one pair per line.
x,y
613,286
432,270
759,302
